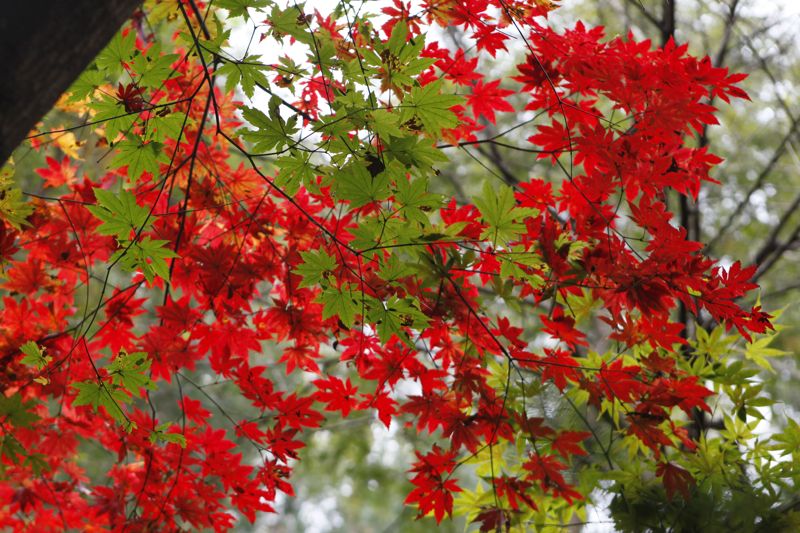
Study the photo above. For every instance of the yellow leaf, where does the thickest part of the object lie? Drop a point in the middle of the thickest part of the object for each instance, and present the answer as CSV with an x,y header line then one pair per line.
x,y
79,107
68,144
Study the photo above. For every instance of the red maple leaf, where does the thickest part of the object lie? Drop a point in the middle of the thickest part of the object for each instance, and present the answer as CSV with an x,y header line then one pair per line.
x,y
490,38
675,479
487,98
339,395
620,382
433,490
459,69
567,443
493,519
58,173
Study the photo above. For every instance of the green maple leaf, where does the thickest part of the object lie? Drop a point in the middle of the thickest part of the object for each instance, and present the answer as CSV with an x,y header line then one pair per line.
x,y
160,434
290,21
148,255
16,411
430,107
153,68
414,151
359,187
139,157
238,8
11,449
271,131
121,215
119,212
99,395
113,115
246,73
316,265
759,351
368,232
401,57
219,35
86,84
397,40
131,372
394,269
119,50
340,302
500,213
385,123
168,126
294,170
417,202
512,263
392,316
34,355
13,208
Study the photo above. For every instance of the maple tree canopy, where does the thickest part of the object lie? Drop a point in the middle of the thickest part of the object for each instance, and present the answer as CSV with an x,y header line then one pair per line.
x,y
205,218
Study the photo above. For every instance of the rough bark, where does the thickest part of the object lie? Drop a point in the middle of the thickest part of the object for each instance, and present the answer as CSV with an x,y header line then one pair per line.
x,y
44,46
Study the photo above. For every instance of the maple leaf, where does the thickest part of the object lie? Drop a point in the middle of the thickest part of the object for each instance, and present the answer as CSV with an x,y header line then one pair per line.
x,y
400,11
433,491
194,410
559,366
315,266
487,98
620,382
339,395
18,412
459,69
675,479
58,173
552,139
139,157
430,106
120,213
100,395
515,490
562,327
499,211
647,429
493,519
129,371
271,131
299,356
547,470
489,38
8,239
296,412
340,302
283,443
567,443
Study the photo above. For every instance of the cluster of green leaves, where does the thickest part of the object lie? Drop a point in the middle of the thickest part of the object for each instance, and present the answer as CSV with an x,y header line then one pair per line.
x,y
125,219
13,208
135,124
745,470
126,376
17,412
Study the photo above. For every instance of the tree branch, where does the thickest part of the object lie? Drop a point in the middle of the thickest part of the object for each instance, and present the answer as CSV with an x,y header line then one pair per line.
x,y
45,46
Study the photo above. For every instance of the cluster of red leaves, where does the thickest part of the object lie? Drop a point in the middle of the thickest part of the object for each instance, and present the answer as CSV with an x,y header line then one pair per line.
x,y
233,290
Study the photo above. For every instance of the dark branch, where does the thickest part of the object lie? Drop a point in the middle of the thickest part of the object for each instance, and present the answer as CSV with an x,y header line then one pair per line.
x,y
45,46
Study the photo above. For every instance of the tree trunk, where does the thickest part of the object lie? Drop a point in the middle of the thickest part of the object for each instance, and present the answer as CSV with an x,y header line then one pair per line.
x,y
44,46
